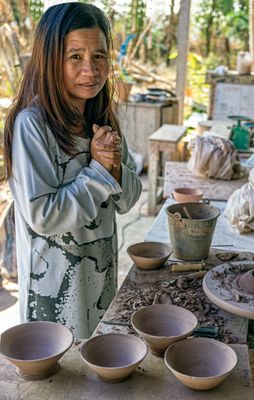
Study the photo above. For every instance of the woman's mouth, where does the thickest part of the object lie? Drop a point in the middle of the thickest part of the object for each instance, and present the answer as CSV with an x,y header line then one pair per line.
x,y
88,85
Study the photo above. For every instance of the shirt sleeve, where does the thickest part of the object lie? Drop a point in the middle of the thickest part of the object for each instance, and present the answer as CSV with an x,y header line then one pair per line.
x,y
130,182
48,206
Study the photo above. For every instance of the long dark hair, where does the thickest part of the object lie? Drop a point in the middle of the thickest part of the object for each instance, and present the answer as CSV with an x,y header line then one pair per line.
x,y
43,79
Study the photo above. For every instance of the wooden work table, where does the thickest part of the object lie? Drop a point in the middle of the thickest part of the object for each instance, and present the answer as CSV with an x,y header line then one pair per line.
x,y
225,236
152,380
178,175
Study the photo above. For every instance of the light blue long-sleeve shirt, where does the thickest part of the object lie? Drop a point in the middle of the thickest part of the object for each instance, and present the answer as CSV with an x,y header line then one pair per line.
x,y
65,226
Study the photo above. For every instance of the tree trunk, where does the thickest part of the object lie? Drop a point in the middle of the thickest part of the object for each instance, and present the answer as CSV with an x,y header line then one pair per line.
x,y
171,30
209,30
227,52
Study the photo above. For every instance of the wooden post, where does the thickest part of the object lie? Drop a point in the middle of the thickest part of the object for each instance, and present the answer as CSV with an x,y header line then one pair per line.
x,y
251,26
182,44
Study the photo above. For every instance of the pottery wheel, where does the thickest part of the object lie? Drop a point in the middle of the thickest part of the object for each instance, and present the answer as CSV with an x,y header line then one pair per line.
x,y
221,286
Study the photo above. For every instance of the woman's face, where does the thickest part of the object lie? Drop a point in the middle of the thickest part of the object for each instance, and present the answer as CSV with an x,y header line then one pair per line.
x,y
86,64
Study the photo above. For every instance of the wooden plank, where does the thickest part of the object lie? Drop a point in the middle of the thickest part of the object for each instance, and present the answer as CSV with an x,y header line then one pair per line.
x,y
164,143
213,124
233,99
251,357
182,46
169,133
152,380
230,77
153,173
178,175
230,93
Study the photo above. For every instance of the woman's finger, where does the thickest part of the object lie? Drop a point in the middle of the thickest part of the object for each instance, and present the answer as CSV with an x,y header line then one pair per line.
x,y
110,155
99,131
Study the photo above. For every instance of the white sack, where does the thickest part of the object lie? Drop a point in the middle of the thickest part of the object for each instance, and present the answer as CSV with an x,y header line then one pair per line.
x,y
215,157
240,206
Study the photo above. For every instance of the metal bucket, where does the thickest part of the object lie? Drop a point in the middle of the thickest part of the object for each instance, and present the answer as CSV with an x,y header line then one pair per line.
x,y
191,238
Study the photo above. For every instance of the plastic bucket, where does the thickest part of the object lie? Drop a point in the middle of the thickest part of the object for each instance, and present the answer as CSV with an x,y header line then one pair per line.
x,y
191,238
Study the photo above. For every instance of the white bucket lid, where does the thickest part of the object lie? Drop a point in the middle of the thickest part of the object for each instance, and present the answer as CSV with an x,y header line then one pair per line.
x,y
50,3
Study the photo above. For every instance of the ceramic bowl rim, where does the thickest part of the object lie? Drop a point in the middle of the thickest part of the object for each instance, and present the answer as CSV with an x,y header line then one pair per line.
x,y
164,337
100,367
35,360
179,190
203,378
153,243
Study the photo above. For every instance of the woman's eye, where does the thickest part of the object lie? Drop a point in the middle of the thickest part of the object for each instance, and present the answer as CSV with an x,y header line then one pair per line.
x,y
100,56
76,56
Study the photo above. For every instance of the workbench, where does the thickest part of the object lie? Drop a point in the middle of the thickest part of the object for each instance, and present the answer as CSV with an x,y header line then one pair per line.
x,y
225,236
178,175
151,380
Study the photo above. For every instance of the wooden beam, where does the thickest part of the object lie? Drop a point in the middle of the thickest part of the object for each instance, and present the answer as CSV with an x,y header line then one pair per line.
x,y
182,44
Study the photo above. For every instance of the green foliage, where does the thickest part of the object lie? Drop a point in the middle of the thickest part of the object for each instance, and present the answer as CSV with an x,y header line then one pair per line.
x,y
137,15
215,22
222,19
108,6
196,75
124,76
237,24
226,6
36,9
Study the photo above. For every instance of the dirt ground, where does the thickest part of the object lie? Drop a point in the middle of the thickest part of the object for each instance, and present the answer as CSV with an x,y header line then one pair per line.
x,y
251,356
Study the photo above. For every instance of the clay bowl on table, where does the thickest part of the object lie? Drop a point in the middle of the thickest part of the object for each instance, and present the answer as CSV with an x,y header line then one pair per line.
x,y
246,282
149,255
186,195
200,363
35,347
113,356
161,325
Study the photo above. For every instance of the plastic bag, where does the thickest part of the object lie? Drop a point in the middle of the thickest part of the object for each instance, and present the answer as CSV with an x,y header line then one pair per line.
x,y
240,206
215,157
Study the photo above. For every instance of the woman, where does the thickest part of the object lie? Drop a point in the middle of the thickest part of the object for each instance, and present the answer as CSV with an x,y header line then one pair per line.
x,y
69,170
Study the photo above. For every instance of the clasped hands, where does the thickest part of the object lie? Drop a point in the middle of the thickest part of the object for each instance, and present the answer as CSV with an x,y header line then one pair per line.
x,y
106,149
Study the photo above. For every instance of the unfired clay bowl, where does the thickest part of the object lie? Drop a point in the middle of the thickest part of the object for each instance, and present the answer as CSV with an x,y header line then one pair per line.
x,y
113,356
246,281
186,195
200,363
149,255
35,347
161,325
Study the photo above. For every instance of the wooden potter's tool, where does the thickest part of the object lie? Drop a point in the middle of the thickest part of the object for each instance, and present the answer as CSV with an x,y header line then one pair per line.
x,y
187,267
188,277
185,209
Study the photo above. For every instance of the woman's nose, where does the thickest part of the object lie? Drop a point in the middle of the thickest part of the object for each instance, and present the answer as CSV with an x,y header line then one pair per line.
x,y
89,67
